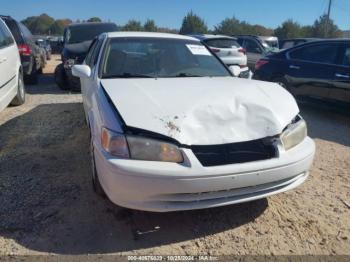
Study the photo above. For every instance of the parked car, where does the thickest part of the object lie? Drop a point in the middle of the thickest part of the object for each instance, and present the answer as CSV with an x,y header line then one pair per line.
x,y
289,43
172,129
270,42
255,48
11,74
31,56
77,40
45,44
228,50
319,69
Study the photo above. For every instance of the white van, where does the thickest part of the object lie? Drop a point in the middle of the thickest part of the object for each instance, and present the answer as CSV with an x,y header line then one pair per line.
x,y
11,78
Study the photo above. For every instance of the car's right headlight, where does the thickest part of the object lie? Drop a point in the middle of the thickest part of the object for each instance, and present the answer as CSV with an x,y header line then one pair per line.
x,y
139,148
294,134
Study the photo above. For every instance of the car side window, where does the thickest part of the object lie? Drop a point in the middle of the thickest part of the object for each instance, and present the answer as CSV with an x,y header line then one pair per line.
x,y
252,47
26,33
288,44
96,52
323,53
91,50
346,56
6,38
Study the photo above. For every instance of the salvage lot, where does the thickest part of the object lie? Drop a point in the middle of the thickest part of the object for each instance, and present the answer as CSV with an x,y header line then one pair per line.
x,y
48,205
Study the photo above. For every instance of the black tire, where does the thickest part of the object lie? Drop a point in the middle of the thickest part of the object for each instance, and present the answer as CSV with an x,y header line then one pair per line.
x,y
40,71
61,78
32,79
96,185
20,98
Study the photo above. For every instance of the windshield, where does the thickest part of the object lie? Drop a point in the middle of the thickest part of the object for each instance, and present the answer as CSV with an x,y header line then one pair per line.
x,y
157,57
78,34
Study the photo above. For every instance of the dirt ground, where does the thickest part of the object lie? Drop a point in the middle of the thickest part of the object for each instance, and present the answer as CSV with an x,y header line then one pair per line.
x,y
47,204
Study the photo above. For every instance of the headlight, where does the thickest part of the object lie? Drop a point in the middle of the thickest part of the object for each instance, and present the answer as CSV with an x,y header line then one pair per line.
x,y
139,148
294,135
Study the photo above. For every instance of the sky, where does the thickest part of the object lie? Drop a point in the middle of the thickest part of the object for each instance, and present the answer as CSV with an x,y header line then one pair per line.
x,y
169,13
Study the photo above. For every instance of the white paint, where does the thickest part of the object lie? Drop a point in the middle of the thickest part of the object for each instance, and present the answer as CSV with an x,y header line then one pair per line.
x,y
203,111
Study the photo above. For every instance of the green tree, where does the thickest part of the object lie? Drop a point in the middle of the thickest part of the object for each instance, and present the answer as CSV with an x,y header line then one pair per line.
x,y
39,24
323,29
58,26
150,26
133,25
229,26
289,29
193,24
94,19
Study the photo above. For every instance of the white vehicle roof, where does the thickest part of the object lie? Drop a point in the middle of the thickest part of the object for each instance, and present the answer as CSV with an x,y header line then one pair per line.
x,y
148,34
211,36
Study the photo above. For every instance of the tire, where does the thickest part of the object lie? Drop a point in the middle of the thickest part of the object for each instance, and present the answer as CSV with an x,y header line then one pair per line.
x,y
32,79
40,71
20,98
96,185
61,78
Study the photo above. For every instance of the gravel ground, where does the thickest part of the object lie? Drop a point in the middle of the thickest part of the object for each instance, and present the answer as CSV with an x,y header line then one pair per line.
x,y
47,203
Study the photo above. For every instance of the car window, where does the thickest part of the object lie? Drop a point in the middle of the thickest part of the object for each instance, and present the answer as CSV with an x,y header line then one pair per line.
x,y
156,57
6,37
91,50
346,57
222,43
26,33
252,47
287,44
12,25
325,53
79,34
96,52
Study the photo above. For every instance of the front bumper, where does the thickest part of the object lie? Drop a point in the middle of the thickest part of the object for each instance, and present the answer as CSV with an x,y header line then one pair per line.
x,y
164,187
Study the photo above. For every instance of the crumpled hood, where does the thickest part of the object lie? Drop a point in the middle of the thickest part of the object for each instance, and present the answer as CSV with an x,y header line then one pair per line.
x,y
203,111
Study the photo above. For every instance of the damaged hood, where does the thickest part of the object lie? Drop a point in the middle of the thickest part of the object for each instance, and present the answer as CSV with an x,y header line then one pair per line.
x,y
203,111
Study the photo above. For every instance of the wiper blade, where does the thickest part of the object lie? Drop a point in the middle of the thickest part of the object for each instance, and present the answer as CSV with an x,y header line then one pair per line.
x,y
186,75
128,75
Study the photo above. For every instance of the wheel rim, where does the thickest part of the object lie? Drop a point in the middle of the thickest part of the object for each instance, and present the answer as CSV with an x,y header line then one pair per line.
x,y
21,86
93,166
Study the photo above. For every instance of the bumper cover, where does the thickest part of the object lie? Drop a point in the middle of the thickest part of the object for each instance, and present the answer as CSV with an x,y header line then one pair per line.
x,y
164,187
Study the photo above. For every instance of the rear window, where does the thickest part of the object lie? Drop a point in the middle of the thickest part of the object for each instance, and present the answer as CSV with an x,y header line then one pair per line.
x,y
222,43
13,26
78,34
325,53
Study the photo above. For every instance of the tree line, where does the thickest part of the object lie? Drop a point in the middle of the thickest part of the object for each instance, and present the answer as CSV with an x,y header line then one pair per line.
x,y
193,24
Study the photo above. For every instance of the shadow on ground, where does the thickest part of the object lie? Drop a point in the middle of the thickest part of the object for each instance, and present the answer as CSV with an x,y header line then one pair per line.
x,y
48,204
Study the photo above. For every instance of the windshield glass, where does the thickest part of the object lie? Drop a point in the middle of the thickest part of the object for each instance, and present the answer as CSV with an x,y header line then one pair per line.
x,y
158,57
78,34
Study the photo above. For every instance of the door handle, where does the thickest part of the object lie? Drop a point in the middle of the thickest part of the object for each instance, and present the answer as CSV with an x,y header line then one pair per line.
x,y
4,59
294,67
342,76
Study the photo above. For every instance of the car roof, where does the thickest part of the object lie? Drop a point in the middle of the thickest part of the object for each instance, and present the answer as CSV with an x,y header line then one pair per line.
x,y
211,36
149,34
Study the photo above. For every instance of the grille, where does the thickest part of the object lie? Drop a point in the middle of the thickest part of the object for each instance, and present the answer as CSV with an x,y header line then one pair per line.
x,y
243,152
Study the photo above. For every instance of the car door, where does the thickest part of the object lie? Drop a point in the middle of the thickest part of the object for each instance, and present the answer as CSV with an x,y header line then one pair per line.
x,y
341,87
254,52
8,60
310,69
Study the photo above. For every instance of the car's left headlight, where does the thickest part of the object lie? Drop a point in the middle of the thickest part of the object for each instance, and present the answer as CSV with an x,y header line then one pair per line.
x,y
294,134
139,148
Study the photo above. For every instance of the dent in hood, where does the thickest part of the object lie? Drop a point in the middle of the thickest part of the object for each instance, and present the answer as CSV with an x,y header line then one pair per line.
x,y
203,111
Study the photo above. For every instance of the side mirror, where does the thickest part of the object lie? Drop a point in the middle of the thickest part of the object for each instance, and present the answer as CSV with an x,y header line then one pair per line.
x,y
235,70
81,71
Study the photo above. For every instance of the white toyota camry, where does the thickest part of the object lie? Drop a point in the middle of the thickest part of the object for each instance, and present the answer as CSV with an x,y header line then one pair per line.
x,y
172,129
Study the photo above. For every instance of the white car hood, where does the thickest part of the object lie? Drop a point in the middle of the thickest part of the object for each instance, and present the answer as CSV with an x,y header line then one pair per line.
x,y
203,111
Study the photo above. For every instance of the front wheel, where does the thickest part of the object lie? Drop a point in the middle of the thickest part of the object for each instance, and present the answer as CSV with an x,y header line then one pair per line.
x,y
21,93
96,185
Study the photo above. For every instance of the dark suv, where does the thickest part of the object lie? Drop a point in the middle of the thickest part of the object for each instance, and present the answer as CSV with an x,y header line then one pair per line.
x,y
319,69
30,53
77,40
